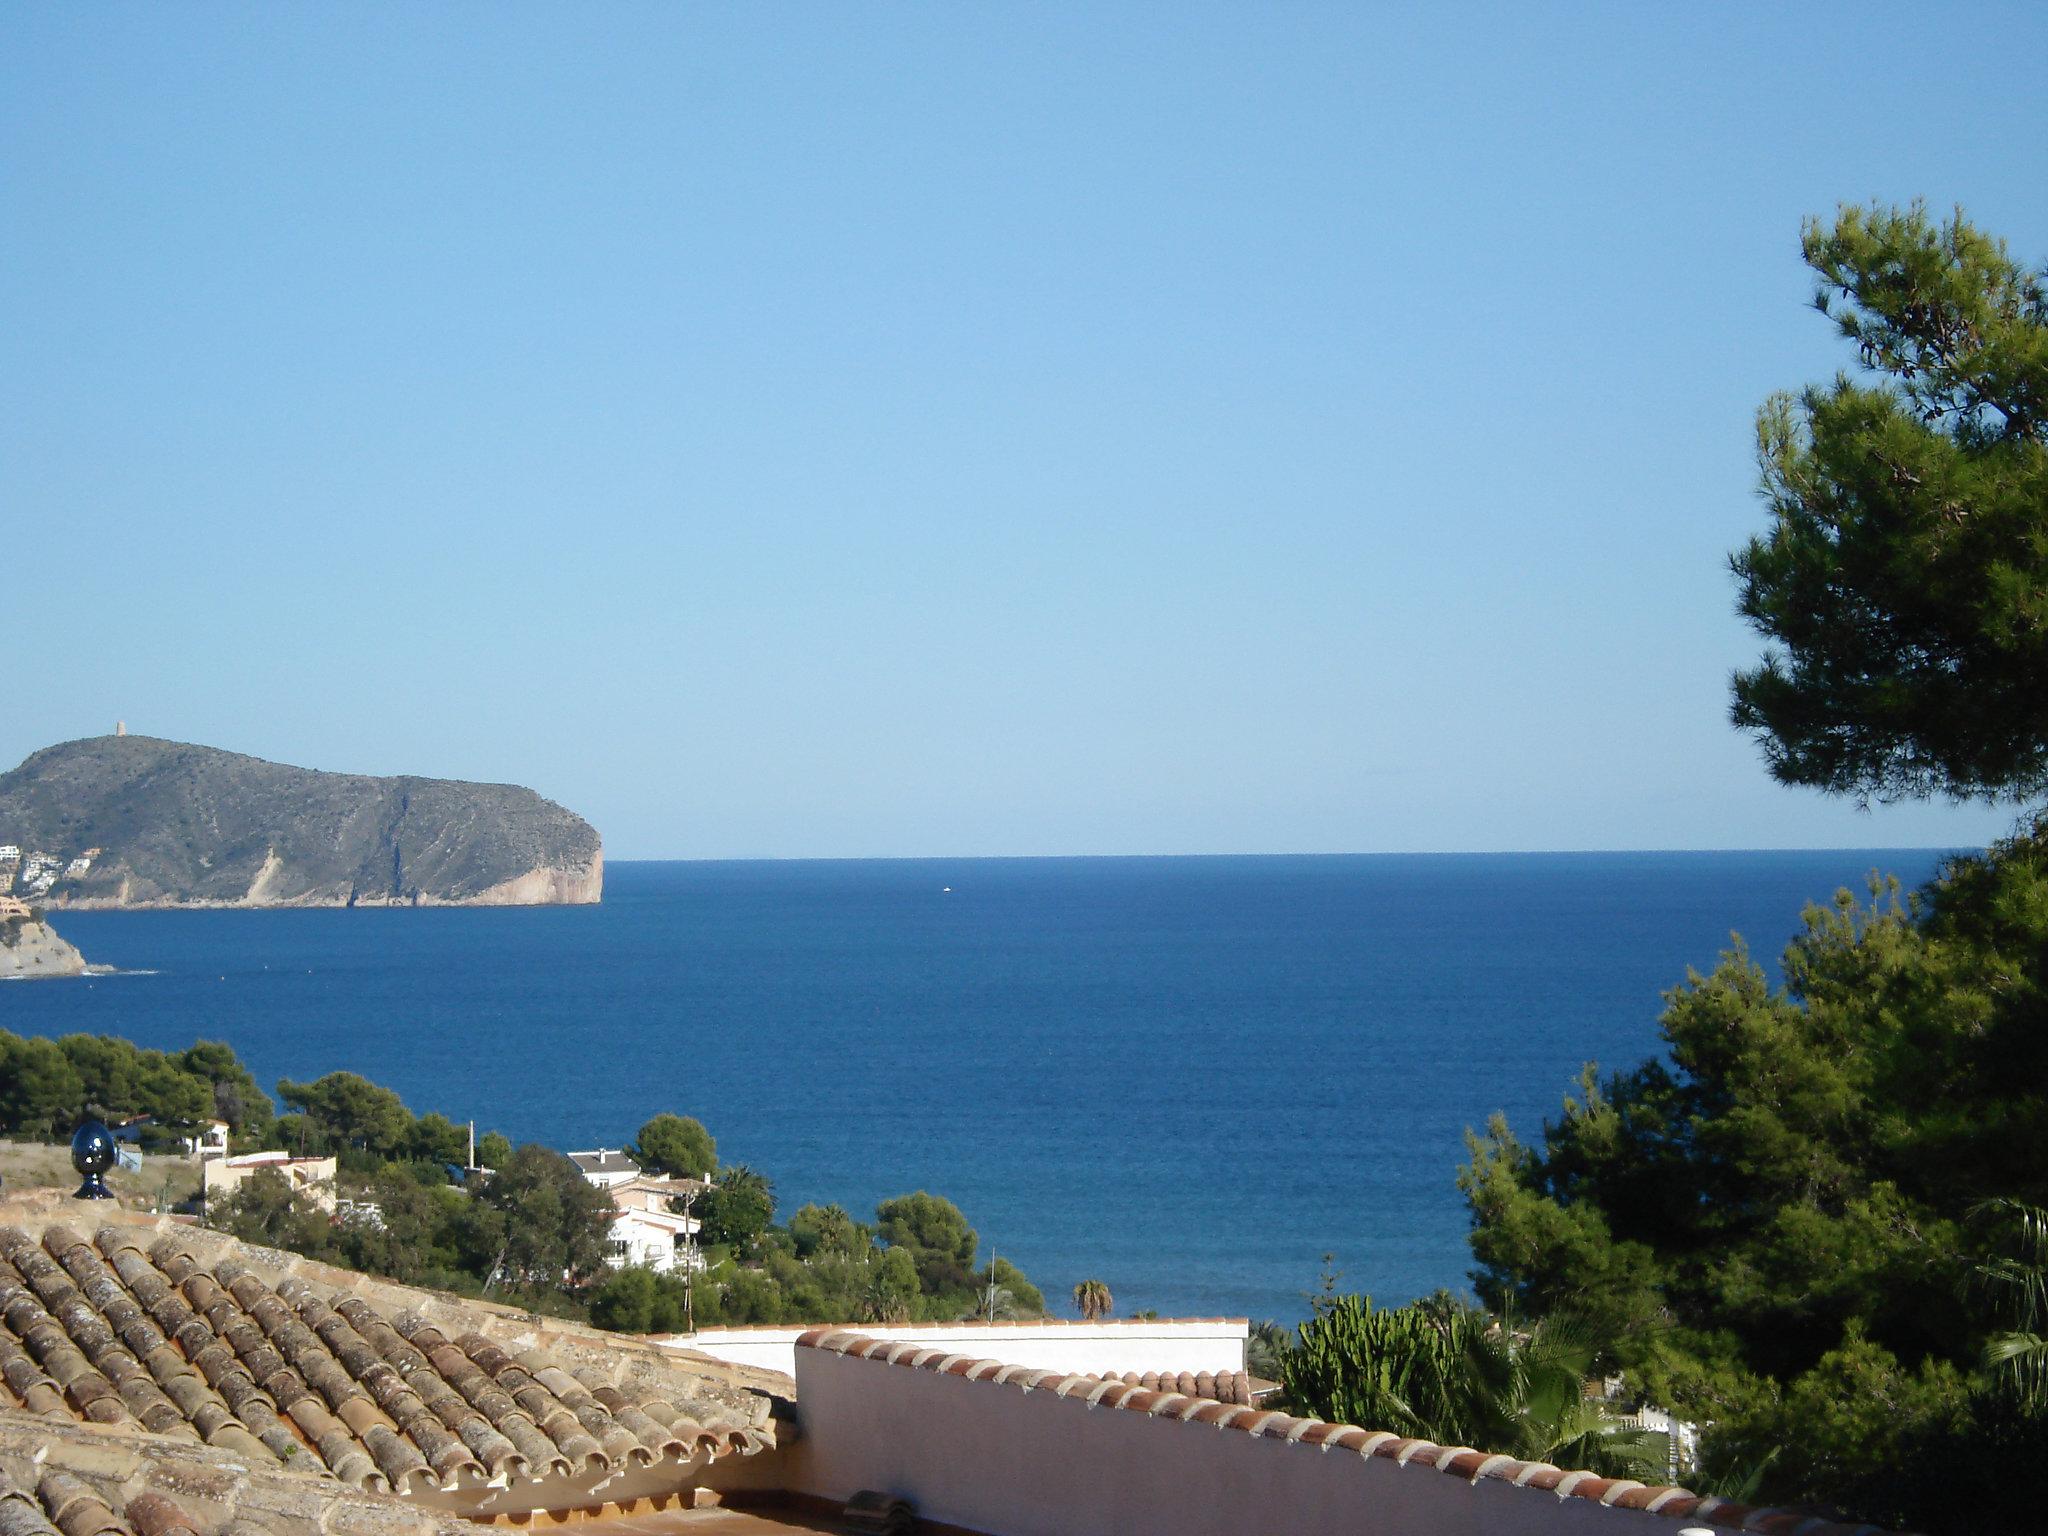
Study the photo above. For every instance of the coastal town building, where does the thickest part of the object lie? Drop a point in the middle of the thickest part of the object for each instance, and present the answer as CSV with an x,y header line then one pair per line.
x,y
649,1230
208,1139
606,1167
222,1176
167,1380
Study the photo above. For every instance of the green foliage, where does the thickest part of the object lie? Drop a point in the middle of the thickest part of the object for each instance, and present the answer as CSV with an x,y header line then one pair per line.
x,y
236,1098
675,1145
41,1093
343,1111
434,1138
932,1231
1021,1297
268,1210
828,1229
552,1221
535,1225
1905,575
637,1300
1459,1377
736,1210
1092,1299
2013,1277
1769,1230
47,1087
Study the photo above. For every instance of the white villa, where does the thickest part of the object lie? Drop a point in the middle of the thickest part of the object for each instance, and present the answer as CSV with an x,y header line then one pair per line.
x,y
644,1231
606,1167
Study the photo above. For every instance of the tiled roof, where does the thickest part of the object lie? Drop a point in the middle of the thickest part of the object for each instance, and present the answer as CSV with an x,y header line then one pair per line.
x,y
604,1160
90,1481
1460,1461
131,1328
1218,1386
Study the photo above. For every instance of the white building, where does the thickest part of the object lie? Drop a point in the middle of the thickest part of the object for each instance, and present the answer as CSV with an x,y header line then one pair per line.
x,y
209,1139
645,1231
606,1167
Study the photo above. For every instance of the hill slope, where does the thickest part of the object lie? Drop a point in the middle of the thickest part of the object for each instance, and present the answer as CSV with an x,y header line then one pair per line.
x,y
168,824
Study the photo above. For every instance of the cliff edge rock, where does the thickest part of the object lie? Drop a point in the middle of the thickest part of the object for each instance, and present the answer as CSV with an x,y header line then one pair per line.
x,y
30,948
133,821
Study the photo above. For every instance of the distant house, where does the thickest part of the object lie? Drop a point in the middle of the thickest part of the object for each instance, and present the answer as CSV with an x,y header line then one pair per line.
x,y
646,1232
222,1176
605,1167
210,1139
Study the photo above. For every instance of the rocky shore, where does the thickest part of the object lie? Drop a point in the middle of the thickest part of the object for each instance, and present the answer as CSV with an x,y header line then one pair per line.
x,y
30,950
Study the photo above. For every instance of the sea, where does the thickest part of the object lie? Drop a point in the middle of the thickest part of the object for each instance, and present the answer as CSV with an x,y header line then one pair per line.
x,y
1201,1080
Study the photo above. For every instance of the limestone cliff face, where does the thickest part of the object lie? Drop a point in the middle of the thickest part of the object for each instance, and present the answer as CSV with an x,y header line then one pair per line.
x,y
131,821
30,950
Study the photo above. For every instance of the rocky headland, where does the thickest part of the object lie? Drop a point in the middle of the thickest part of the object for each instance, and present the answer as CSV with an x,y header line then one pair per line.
x,y
30,948
134,821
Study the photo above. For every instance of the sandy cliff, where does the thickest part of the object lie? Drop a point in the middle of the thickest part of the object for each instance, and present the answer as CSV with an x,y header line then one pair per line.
x,y
31,950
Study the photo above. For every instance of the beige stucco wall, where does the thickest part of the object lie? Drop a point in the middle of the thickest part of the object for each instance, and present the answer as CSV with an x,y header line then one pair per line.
x,y
992,1457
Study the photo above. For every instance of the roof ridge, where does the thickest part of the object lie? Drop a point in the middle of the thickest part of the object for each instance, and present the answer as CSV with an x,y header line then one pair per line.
x,y
1270,1424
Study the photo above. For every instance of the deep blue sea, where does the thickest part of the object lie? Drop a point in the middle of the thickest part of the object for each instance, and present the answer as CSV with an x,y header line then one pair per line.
x,y
1190,1077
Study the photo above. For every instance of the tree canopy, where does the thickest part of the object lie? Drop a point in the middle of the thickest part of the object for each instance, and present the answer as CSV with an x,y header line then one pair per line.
x,y
736,1210
345,1110
675,1145
1771,1229
1904,579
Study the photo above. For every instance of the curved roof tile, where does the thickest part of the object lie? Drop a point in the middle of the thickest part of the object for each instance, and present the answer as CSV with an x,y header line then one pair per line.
x,y
1460,1461
110,1332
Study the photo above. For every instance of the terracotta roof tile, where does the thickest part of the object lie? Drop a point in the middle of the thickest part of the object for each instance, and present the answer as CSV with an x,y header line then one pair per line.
x,y
290,1375
1419,1455
1222,1386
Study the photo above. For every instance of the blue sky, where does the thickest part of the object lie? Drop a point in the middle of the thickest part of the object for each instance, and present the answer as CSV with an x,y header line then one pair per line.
x,y
817,430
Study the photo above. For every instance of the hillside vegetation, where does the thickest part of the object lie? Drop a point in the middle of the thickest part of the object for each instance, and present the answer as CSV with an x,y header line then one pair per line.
x,y
164,823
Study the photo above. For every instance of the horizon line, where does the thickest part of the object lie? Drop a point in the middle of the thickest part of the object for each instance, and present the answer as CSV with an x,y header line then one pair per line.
x,y
1390,853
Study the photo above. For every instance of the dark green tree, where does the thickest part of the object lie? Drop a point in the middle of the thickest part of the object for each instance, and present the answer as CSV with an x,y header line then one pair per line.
x,y
434,1138
637,1300
828,1229
41,1093
736,1211
109,1070
493,1150
675,1145
932,1230
236,1098
269,1211
554,1221
1769,1229
1902,579
343,1110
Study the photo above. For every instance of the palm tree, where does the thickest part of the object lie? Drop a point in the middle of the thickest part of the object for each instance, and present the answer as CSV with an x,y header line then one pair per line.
x,y
1094,1300
1460,1377
2015,1279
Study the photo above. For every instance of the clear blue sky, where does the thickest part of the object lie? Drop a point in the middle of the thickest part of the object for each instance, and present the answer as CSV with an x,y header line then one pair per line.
x,y
847,430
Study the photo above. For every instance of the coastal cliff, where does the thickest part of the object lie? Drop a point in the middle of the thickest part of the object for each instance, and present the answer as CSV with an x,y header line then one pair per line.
x,y
133,821
30,949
